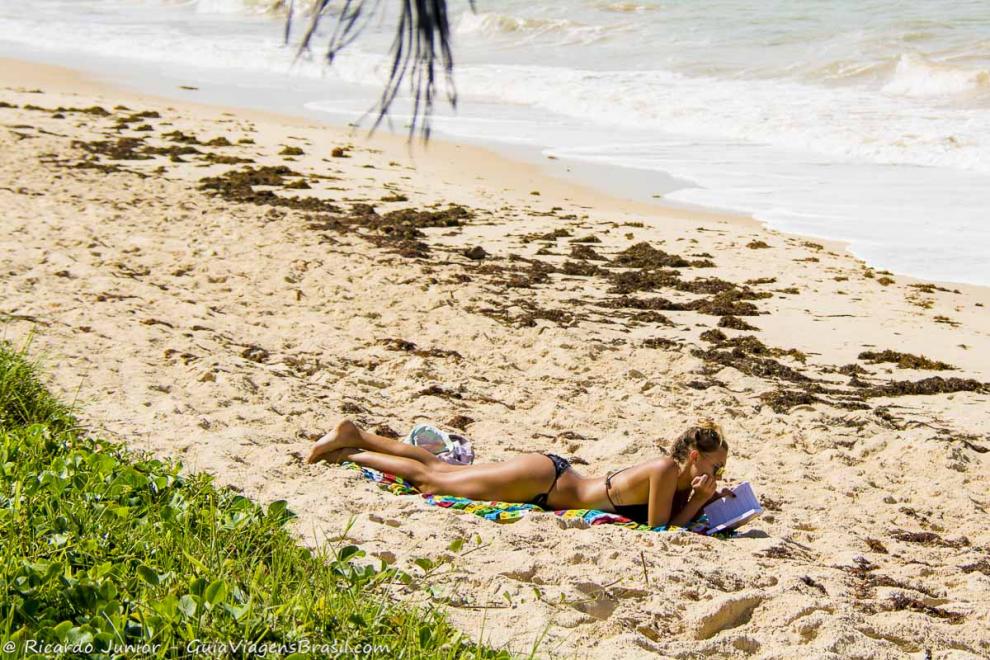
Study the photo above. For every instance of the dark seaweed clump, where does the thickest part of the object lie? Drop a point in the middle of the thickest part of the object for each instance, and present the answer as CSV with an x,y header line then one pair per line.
x,y
735,323
125,148
644,255
902,601
548,236
781,401
929,539
400,230
660,342
728,300
750,356
904,360
238,186
585,253
933,385
460,422
453,216
395,344
581,268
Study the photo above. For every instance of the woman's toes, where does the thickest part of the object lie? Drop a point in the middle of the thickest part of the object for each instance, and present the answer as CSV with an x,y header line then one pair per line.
x,y
319,450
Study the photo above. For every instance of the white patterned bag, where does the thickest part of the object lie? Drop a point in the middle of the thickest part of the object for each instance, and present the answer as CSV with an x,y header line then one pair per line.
x,y
448,447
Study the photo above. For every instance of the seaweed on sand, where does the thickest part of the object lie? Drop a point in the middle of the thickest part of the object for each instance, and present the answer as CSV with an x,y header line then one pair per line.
x,y
396,344
904,360
580,268
453,216
926,386
900,601
929,539
644,255
238,186
125,148
735,323
631,281
750,365
548,236
585,253
750,345
630,302
727,303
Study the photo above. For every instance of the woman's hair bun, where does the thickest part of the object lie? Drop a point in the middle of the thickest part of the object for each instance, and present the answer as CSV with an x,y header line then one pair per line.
x,y
706,436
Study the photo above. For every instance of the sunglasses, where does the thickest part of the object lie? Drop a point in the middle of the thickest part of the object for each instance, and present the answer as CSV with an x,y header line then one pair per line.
x,y
717,470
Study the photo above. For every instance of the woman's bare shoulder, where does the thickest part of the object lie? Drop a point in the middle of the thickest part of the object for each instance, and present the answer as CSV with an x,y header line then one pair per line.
x,y
661,465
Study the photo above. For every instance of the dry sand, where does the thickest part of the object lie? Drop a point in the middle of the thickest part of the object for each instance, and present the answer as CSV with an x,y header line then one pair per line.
x,y
229,333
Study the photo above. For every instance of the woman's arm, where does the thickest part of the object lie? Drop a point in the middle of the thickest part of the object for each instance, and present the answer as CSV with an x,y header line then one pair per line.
x,y
704,489
663,484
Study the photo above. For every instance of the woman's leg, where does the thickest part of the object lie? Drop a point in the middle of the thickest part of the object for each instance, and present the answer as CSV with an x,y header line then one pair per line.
x,y
348,434
411,470
517,480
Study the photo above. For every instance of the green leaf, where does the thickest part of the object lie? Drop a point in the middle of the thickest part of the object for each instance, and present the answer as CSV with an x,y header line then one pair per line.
x,y
456,545
349,551
188,605
62,630
425,634
148,575
78,636
279,509
216,592
167,606
103,640
195,562
237,611
197,585
424,562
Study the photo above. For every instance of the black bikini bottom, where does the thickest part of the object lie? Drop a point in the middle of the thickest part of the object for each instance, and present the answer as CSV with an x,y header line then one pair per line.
x,y
560,466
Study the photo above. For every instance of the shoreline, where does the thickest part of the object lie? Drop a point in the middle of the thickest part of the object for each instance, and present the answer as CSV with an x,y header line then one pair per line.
x,y
612,182
220,287
518,175
573,181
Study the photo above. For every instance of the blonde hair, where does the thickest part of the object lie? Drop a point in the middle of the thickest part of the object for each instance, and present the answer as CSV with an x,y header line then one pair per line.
x,y
706,436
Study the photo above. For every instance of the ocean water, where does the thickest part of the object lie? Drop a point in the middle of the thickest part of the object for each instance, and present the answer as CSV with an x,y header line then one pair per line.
x,y
865,121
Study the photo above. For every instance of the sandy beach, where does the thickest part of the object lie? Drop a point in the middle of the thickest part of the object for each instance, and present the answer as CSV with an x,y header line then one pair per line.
x,y
221,286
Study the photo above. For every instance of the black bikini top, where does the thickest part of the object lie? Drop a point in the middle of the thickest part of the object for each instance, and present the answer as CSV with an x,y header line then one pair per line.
x,y
638,512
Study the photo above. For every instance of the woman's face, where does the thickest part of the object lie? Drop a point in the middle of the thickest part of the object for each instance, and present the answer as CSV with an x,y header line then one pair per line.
x,y
710,463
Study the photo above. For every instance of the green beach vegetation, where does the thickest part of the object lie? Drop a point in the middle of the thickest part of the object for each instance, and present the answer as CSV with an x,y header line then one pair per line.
x,y
104,552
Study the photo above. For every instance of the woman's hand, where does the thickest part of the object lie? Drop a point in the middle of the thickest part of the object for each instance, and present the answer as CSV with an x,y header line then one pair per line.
x,y
725,492
704,487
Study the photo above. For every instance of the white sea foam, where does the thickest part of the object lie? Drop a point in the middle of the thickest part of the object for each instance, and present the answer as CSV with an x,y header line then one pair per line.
x,y
240,6
560,31
916,77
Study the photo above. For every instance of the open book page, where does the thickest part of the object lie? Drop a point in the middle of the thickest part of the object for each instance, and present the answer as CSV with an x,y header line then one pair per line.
x,y
731,512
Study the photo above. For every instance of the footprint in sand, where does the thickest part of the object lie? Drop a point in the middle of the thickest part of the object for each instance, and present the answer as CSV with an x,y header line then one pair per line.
x,y
730,613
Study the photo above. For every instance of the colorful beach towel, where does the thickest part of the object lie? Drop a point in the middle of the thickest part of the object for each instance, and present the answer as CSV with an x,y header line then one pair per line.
x,y
509,512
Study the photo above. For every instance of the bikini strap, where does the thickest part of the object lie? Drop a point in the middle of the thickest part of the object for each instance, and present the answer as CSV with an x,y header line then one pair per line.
x,y
608,484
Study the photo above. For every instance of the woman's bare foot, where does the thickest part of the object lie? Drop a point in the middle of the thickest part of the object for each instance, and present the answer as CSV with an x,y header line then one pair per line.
x,y
344,433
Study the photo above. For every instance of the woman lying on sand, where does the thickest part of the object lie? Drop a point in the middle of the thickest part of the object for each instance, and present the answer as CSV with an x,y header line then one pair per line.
x,y
670,490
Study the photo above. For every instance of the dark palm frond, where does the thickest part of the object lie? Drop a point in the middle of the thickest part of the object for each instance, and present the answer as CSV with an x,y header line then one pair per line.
x,y
422,44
